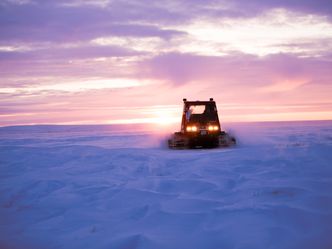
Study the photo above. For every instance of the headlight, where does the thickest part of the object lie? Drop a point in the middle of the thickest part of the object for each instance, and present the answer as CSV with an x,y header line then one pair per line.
x,y
213,127
191,128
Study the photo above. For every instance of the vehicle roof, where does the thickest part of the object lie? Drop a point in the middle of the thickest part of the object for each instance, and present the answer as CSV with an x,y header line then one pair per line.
x,y
197,102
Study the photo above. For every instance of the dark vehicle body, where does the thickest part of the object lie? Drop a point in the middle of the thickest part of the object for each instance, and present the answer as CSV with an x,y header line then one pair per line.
x,y
200,127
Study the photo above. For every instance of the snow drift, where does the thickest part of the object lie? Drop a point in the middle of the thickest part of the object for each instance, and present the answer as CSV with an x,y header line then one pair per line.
x,y
109,187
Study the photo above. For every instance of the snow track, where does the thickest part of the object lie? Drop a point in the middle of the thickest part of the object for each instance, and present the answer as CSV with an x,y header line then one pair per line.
x,y
90,187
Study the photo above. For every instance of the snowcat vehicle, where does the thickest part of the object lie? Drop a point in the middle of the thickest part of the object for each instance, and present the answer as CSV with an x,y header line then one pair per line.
x,y
200,127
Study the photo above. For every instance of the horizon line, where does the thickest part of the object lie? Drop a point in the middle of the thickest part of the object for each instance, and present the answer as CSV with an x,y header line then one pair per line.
x,y
151,123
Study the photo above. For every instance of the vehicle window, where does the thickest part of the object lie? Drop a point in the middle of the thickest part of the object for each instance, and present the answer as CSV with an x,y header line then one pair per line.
x,y
197,109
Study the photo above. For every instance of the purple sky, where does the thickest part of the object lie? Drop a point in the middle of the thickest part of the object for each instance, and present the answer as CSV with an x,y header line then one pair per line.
x,y
81,62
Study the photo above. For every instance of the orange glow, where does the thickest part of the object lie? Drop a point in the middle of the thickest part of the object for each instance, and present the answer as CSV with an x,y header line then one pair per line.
x,y
213,128
191,128
163,116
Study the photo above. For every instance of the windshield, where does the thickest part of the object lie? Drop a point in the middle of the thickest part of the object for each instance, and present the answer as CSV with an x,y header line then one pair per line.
x,y
197,109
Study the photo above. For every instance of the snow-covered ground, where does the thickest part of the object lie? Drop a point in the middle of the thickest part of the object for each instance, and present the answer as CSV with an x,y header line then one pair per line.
x,y
110,187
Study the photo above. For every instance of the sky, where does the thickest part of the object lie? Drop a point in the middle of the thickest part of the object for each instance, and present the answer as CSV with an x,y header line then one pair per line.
x,y
133,61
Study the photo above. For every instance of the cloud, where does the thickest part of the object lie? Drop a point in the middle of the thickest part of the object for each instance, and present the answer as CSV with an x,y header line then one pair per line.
x,y
260,35
321,7
73,87
73,30
281,71
67,53
51,22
